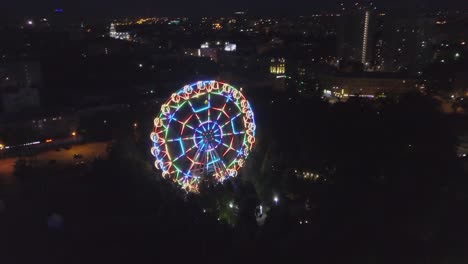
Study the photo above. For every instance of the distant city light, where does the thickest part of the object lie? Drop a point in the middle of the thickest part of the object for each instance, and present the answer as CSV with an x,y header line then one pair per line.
x,y
2,146
73,133
231,205
277,66
113,33
457,55
230,47
30,22
140,65
276,199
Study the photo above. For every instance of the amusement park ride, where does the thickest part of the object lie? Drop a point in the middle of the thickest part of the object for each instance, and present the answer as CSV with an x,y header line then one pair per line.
x,y
204,132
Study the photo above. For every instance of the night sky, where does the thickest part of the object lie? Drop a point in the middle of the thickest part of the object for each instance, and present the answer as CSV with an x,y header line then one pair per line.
x,y
197,8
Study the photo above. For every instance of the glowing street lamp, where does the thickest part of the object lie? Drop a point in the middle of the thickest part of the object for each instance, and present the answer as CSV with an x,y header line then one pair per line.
x,y
276,199
2,147
74,136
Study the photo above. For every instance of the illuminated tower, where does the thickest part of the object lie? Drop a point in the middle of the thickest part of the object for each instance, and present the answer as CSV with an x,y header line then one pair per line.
x,y
356,33
365,38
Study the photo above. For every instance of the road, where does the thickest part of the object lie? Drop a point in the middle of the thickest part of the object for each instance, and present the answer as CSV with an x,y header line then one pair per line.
x,y
64,157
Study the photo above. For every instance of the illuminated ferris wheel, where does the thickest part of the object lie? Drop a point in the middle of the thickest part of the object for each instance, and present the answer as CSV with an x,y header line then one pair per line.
x,y
205,131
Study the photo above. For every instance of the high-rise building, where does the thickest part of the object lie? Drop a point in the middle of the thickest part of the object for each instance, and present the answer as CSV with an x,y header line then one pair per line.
x,y
406,42
113,33
19,86
356,34
365,38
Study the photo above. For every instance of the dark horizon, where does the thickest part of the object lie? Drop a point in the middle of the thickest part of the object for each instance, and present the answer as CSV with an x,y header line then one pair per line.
x,y
108,8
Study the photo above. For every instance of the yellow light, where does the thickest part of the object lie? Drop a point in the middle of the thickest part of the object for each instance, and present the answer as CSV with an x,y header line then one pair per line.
x,y
217,26
73,133
2,146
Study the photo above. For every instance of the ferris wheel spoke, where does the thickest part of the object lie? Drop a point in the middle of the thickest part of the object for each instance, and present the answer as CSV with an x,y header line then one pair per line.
x,y
200,109
184,153
209,107
184,139
231,120
192,138
213,160
184,124
233,134
227,150
221,111
229,147
199,120
182,145
194,161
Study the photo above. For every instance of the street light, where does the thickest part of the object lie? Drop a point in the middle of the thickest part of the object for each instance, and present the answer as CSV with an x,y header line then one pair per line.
x,y
276,199
2,147
74,136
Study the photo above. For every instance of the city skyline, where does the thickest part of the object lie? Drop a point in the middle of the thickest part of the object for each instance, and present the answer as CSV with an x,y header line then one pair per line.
x,y
88,8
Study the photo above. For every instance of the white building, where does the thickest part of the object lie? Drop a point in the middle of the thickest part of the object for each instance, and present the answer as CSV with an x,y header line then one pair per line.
x,y
113,33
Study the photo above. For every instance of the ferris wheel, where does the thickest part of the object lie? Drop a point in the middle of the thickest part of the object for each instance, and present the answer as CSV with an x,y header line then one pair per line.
x,y
205,131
